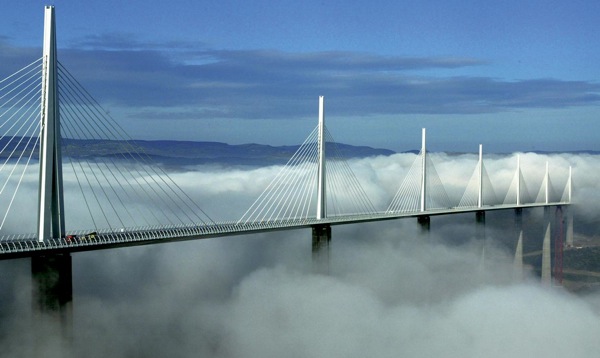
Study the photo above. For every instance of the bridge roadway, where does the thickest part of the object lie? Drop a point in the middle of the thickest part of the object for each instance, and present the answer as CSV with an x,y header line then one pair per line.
x,y
27,247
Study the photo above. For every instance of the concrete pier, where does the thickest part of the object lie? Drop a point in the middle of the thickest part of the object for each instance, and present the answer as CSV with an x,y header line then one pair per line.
x,y
546,270
480,234
569,231
480,224
480,217
518,223
321,238
425,223
518,260
52,296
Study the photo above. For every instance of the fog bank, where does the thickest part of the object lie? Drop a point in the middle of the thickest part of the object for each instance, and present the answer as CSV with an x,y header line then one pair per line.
x,y
392,290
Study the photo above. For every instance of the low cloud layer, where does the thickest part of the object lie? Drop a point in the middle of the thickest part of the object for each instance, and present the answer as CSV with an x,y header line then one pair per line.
x,y
392,290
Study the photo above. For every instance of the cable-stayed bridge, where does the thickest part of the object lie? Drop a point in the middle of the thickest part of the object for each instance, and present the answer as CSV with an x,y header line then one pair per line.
x,y
124,199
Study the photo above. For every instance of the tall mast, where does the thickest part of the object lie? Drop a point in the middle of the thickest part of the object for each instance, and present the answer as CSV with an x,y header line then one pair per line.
x,y
51,221
547,187
321,189
423,171
480,191
518,179
570,185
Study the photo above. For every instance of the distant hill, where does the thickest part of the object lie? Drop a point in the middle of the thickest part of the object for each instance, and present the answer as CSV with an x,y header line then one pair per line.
x,y
193,153
182,153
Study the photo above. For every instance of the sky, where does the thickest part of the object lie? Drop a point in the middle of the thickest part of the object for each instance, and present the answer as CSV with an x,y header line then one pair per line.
x,y
512,75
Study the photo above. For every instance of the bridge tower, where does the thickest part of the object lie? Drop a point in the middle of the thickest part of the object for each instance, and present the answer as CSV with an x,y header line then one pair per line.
x,y
480,214
321,185
321,233
423,171
424,220
51,274
547,186
480,178
557,270
518,179
51,220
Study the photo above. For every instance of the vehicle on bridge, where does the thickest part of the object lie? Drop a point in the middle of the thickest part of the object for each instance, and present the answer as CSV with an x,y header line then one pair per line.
x,y
90,236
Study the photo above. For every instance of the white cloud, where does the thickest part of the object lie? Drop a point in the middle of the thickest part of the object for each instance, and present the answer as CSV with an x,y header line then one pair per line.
x,y
392,291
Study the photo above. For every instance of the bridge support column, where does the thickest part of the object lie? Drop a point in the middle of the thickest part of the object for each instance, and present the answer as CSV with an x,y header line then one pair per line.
x,y
518,260
321,238
52,296
546,270
518,270
481,235
519,218
559,235
569,233
480,224
480,217
425,223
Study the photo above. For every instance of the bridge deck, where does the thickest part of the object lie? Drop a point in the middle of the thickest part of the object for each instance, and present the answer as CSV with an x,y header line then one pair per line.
x,y
27,247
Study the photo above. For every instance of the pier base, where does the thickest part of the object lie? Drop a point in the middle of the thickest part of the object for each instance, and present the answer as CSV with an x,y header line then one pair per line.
x,y
518,215
480,217
52,296
518,268
321,238
518,223
425,223
480,225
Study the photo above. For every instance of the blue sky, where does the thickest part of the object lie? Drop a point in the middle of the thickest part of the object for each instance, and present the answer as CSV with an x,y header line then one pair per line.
x,y
513,75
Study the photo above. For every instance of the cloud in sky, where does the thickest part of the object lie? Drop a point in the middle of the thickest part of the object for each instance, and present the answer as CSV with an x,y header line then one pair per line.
x,y
148,86
275,84
207,83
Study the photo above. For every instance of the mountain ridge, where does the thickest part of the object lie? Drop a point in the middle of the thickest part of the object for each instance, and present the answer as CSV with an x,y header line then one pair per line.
x,y
175,152
204,152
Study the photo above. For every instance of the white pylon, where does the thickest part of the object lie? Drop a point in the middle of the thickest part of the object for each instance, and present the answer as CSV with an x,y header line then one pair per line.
x,y
547,188
423,171
518,179
51,221
570,184
321,187
480,191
